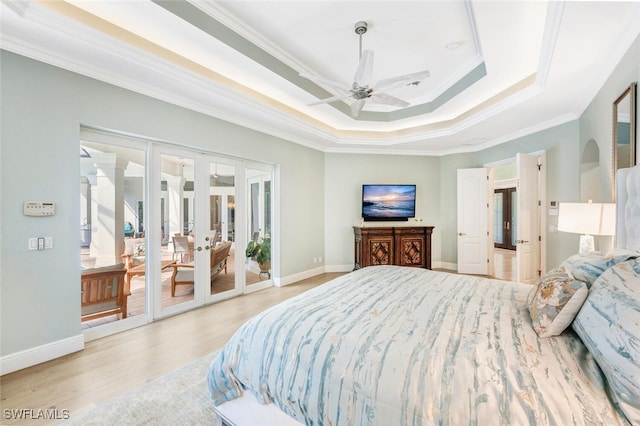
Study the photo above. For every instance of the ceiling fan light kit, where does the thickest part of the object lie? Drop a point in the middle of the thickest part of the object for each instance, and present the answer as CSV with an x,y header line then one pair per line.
x,y
360,91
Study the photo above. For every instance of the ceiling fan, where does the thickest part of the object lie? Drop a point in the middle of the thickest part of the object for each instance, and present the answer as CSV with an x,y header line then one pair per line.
x,y
360,91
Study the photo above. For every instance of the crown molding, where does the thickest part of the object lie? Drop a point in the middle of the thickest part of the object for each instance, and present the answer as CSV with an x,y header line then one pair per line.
x,y
272,118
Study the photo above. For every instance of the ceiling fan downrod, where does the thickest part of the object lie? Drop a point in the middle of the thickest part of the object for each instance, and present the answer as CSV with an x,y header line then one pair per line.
x,y
360,28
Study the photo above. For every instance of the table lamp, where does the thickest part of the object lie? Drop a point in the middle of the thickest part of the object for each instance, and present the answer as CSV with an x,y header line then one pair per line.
x,y
588,219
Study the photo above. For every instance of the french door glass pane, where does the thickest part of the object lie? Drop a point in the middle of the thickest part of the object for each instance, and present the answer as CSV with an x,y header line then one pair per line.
x,y
222,179
177,243
259,218
498,218
112,193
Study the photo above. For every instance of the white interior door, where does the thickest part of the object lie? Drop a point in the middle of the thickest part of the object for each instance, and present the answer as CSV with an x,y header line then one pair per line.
x,y
474,239
528,212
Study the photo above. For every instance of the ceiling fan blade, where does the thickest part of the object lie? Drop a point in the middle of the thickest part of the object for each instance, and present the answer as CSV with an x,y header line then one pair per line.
x,y
331,99
324,81
365,68
399,81
356,107
384,99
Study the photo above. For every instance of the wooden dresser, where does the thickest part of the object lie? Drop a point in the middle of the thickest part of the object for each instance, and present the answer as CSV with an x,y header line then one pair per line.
x,y
397,245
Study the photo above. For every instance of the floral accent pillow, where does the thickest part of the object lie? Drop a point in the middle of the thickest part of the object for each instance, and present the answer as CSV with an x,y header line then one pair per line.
x,y
555,302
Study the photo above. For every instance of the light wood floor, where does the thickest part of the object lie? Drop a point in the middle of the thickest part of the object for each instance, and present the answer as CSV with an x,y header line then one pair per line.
x,y
117,364
504,264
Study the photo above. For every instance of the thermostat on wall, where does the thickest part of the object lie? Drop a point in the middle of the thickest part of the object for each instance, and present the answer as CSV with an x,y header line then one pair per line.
x,y
39,208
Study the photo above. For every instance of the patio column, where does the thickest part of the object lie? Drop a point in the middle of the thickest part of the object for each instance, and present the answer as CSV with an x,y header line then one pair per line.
x,y
108,222
85,211
93,182
174,217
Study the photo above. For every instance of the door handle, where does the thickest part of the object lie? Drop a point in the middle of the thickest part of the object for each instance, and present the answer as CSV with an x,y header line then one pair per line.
x,y
460,234
521,241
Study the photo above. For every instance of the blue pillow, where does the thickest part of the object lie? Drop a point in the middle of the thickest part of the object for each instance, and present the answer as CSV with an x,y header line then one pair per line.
x,y
587,267
609,326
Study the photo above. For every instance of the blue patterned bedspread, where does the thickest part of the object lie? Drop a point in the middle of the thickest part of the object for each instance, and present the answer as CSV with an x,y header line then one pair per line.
x,y
389,345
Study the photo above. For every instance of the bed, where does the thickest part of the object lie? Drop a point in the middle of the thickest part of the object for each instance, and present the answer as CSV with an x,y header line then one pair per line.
x,y
389,345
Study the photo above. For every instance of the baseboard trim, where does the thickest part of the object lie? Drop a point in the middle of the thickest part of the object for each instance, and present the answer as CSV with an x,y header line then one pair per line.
x,y
27,358
290,279
445,265
339,268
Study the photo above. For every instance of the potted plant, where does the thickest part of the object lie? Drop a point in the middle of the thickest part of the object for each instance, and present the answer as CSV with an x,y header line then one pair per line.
x,y
260,251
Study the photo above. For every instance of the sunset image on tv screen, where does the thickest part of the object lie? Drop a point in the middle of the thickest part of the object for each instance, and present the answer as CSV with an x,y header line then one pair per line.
x,y
388,201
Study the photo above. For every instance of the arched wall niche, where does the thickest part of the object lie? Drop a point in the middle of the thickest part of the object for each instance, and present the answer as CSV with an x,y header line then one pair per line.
x,y
590,172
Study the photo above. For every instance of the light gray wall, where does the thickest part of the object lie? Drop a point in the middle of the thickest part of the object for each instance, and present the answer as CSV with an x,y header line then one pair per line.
x,y
562,176
43,108
596,123
344,176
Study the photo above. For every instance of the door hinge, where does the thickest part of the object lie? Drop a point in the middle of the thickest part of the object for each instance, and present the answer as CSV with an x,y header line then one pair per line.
x,y
539,272
487,205
539,203
487,260
539,237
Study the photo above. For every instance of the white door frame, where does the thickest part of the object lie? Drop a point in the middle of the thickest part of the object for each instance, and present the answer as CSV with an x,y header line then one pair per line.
x,y
542,156
269,173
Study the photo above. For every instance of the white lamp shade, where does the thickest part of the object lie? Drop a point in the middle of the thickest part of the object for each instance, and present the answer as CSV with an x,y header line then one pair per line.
x,y
579,218
587,218
608,224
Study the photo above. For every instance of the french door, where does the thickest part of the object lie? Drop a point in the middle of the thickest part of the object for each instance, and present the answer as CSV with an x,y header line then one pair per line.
x,y
195,209
505,218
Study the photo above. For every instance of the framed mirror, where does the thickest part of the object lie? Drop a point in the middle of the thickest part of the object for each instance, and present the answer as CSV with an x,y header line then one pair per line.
x,y
624,131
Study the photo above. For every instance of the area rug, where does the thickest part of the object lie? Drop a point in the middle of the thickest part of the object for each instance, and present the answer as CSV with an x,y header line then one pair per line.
x,y
178,398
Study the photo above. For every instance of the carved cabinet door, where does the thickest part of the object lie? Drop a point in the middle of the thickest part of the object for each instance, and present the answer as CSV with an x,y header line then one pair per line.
x,y
410,250
379,250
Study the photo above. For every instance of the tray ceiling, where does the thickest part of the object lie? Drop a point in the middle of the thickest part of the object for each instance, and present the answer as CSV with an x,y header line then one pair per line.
x,y
498,69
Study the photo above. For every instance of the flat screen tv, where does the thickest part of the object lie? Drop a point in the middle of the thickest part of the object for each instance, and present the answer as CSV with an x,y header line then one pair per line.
x,y
388,202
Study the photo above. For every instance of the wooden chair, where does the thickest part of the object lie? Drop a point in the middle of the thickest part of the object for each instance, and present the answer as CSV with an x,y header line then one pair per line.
x,y
102,292
183,273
